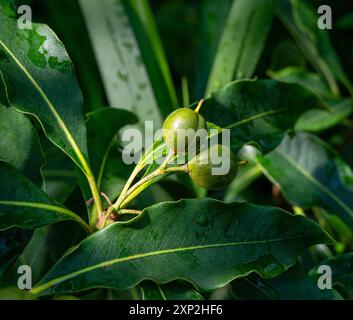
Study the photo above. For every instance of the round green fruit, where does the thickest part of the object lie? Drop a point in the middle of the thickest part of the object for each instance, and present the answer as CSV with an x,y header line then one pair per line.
x,y
176,124
202,170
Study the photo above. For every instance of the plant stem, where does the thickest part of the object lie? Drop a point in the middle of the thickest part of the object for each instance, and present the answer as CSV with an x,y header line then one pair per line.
x,y
129,211
140,165
160,171
199,105
97,200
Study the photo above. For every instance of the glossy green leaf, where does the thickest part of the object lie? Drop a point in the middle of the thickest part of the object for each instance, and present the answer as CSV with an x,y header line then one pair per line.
x,y
206,242
342,272
19,144
59,174
241,42
130,57
293,284
24,205
48,244
41,77
259,112
171,291
310,80
104,149
319,120
316,120
301,21
309,173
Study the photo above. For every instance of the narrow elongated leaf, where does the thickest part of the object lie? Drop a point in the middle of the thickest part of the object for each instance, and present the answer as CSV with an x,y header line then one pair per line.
x,y
301,20
130,57
241,43
145,29
19,144
42,82
258,111
309,173
24,205
213,18
342,272
171,291
293,284
206,242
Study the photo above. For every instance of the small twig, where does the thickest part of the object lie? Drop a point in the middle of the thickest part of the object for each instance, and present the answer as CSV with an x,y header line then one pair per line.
x,y
149,177
129,211
106,198
242,162
89,202
197,109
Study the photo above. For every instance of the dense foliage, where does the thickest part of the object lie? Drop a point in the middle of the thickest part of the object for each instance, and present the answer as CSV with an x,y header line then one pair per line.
x,y
91,226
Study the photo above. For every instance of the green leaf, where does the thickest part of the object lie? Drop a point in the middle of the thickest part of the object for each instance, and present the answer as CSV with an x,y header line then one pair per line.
x,y
72,31
145,28
315,120
241,42
103,148
205,242
47,244
59,173
19,144
318,120
14,293
293,284
342,272
259,112
171,291
309,173
42,81
301,21
12,242
310,80
130,57
23,205
213,17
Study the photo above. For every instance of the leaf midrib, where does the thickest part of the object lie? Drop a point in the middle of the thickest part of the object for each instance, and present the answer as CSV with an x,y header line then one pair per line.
x,y
257,116
51,108
111,262
46,206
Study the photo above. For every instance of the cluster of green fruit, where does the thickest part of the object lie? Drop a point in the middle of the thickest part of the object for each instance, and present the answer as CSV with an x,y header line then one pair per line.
x,y
200,167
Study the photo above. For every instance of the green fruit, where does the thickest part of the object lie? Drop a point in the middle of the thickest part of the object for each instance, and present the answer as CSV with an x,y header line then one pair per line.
x,y
200,167
177,123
